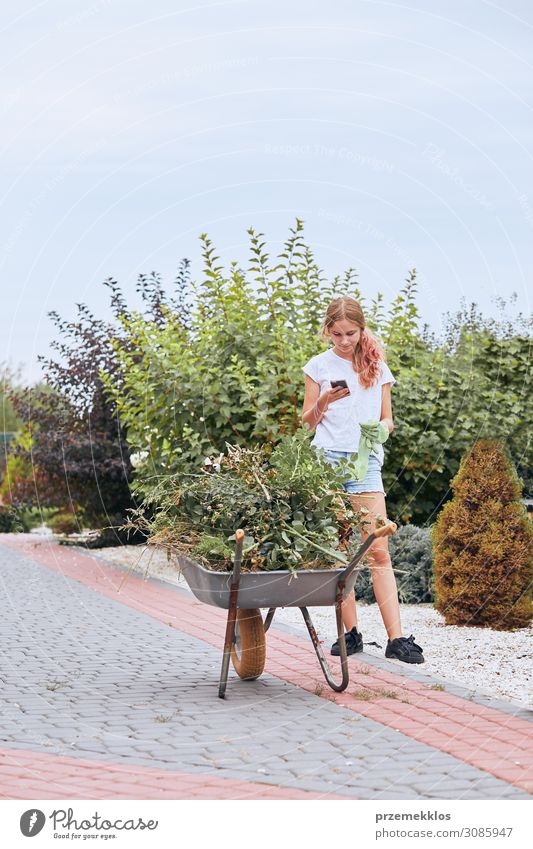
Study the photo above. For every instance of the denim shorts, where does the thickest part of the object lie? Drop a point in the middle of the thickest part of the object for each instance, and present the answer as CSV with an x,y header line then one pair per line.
x,y
372,481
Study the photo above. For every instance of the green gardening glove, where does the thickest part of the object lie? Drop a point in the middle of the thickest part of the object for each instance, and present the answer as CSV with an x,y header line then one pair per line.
x,y
373,433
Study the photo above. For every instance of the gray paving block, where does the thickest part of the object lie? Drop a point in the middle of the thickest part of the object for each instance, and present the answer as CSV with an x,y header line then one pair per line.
x,y
129,670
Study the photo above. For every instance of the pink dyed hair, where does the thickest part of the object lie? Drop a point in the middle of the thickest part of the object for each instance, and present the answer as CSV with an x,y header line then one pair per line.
x,y
368,352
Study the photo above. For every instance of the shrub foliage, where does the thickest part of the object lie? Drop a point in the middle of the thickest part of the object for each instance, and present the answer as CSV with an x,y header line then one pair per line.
x,y
73,452
482,545
411,554
232,373
219,361
72,439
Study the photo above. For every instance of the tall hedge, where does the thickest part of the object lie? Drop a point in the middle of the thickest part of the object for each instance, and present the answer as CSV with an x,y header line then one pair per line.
x,y
482,545
219,360
233,373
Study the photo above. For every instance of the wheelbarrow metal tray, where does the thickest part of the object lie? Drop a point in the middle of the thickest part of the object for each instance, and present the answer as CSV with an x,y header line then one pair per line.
x,y
280,588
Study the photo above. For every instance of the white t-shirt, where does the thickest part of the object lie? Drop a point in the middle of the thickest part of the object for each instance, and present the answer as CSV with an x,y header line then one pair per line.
x,y
339,428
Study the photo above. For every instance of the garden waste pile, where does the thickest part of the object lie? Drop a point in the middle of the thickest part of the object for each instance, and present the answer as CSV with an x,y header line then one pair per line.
x,y
288,500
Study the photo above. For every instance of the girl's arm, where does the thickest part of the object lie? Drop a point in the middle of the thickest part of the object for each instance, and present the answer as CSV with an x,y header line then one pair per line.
x,y
315,404
386,406
312,414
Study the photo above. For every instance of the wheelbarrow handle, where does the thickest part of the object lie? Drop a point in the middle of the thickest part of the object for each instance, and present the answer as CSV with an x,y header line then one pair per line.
x,y
387,530
239,537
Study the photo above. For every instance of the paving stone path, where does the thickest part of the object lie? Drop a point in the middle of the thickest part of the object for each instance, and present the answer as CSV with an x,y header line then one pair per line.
x,y
109,690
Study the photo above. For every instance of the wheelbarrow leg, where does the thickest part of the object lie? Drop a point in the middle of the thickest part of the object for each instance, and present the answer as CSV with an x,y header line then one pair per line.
x,y
228,641
388,529
232,615
320,654
269,618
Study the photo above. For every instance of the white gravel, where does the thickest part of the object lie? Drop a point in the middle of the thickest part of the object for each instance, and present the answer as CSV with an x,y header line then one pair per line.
x,y
494,663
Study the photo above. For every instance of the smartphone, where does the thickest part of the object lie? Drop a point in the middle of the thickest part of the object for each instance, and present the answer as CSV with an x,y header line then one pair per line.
x,y
341,383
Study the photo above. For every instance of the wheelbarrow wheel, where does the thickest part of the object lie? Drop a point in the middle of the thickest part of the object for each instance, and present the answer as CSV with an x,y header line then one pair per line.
x,y
249,649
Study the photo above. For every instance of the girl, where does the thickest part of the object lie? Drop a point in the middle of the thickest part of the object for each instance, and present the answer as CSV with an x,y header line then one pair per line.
x,y
356,357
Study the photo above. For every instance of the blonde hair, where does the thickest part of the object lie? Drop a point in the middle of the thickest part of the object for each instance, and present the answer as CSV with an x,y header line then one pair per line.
x,y
368,352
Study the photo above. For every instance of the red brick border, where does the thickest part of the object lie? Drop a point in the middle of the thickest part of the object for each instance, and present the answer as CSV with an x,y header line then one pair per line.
x,y
484,737
36,775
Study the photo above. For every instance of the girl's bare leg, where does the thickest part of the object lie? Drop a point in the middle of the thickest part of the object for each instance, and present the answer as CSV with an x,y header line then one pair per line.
x,y
383,580
349,613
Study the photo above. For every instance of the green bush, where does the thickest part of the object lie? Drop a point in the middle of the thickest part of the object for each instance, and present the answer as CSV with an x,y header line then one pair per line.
x,y
220,361
17,487
19,520
232,373
7,520
482,545
64,522
474,382
9,379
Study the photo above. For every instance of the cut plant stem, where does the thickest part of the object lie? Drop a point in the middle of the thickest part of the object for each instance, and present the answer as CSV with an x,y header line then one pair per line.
x,y
335,554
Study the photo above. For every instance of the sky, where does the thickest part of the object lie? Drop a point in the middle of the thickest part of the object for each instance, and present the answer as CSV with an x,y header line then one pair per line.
x,y
401,133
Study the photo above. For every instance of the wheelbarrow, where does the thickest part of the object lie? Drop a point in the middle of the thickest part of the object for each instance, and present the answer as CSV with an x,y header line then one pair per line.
x,y
242,595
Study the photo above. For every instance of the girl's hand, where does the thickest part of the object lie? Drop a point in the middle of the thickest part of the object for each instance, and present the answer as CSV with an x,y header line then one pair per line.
x,y
330,396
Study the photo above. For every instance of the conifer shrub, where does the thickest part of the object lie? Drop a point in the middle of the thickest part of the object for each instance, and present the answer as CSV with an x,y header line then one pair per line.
x,y
482,545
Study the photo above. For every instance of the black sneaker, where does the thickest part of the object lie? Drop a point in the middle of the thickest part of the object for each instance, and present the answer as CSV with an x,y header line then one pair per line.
x,y
354,643
404,648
